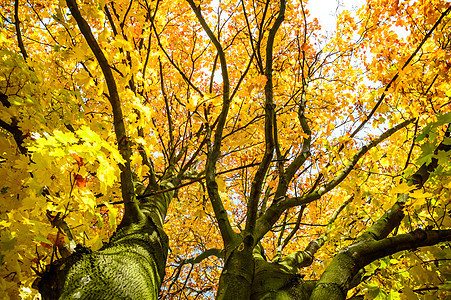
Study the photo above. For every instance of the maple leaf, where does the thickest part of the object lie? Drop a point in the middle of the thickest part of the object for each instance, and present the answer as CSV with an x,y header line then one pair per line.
x,y
78,159
80,181
245,132
402,188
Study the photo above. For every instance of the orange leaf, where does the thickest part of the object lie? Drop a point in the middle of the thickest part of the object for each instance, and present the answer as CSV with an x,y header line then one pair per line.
x,y
78,159
80,181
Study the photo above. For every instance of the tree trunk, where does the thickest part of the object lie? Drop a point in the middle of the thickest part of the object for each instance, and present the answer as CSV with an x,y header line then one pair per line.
x,y
130,266
236,278
279,280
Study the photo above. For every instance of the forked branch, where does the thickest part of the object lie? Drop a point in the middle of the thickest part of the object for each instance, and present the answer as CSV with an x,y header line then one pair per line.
x,y
214,151
268,219
270,123
374,244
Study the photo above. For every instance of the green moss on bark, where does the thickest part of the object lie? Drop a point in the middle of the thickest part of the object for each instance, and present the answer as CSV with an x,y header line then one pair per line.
x,y
130,266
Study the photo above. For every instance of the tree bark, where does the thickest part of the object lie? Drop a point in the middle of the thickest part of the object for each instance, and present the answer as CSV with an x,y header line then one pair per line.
x,y
130,266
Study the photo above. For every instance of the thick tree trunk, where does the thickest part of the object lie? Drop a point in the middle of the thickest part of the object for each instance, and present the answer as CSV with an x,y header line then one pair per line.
x,y
236,278
130,266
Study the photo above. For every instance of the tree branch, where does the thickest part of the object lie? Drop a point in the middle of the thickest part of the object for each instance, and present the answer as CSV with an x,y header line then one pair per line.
x,y
290,171
392,218
374,244
213,153
387,87
132,211
187,80
219,253
388,246
17,25
305,257
350,166
168,114
268,219
336,279
13,128
270,123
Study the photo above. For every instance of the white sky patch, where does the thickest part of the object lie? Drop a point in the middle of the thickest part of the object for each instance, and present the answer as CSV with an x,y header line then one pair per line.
x,y
326,11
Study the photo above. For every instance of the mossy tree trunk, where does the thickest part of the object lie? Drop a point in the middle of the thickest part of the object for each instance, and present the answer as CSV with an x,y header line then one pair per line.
x,y
130,266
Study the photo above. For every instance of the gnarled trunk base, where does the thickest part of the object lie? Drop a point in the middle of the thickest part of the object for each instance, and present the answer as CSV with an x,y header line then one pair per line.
x,y
130,266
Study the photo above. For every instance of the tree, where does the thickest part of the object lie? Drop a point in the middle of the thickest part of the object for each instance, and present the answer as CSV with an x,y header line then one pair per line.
x,y
244,152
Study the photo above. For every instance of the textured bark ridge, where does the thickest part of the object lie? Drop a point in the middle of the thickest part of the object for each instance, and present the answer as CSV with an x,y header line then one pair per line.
x,y
280,280
130,266
273,283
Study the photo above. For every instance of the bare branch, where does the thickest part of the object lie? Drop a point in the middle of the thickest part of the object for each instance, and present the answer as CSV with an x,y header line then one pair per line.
x,y
295,229
187,80
168,113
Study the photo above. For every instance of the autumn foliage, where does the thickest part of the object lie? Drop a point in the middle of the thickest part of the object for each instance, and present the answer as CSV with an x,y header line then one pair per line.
x,y
266,126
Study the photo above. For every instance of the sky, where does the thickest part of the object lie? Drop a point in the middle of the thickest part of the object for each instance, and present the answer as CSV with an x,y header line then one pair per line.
x,y
326,11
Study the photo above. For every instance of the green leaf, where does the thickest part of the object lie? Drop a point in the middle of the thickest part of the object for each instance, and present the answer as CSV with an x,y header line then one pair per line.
x,y
394,295
408,294
43,239
7,241
443,157
446,286
427,153
444,119
373,291
99,220
427,131
369,270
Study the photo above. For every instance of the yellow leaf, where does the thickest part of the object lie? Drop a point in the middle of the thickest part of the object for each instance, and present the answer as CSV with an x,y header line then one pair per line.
x,y
199,213
417,203
88,200
95,243
192,102
384,162
112,215
221,184
5,223
88,135
418,194
402,188
106,174
22,163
